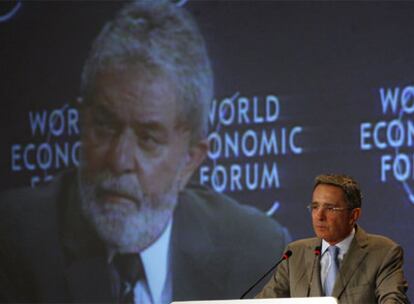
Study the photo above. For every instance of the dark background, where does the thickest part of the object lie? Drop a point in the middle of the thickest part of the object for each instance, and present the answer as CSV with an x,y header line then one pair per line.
x,y
325,61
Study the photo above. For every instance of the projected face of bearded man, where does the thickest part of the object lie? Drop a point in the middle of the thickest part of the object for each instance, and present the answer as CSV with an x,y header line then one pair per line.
x,y
136,156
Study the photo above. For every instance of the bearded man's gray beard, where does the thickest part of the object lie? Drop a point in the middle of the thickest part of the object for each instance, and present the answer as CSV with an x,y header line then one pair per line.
x,y
126,226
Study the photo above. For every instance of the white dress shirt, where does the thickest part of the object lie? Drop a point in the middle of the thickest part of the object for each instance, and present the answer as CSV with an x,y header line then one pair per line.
x,y
158,287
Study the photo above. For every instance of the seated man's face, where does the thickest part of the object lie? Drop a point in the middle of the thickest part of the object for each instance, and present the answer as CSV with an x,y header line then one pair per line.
x,y
134,156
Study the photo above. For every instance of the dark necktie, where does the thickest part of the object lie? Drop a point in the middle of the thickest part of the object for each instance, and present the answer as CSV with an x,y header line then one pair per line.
x,y
332,271
130,269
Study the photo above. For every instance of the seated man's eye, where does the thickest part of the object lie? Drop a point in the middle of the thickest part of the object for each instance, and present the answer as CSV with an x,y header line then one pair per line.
x,y
147,138
148,141
102,125
99,126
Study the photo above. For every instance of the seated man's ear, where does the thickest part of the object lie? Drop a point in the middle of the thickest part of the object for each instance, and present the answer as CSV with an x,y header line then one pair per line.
x,y
195,155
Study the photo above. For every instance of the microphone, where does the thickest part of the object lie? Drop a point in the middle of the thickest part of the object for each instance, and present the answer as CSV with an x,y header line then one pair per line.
x,y
285,256
317,252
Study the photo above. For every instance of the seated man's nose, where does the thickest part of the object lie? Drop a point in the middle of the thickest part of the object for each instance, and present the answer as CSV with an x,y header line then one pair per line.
x,y
122,156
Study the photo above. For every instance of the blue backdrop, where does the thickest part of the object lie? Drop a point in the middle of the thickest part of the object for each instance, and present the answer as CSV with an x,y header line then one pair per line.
x,y
301,89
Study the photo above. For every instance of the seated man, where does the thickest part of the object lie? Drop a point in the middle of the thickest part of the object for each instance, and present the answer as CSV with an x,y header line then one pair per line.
x,y
343,261
127,226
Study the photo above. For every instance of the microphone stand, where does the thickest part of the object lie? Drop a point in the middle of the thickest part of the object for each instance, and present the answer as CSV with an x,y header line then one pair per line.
x,y
285,256
317,252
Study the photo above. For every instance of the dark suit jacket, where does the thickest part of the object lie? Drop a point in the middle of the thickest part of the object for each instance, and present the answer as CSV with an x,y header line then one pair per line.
x,y
50,253
371,272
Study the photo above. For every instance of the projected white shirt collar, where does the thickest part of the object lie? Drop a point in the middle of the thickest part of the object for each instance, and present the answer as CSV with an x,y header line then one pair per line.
x,y
155,259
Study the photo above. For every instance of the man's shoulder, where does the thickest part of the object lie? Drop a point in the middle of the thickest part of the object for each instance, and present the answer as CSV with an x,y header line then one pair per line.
x,y
304,244
375,241
27,205
17,197
218,205
220,210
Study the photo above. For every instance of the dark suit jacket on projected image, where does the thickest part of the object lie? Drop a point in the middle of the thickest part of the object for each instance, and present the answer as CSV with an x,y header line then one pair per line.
x,y
371,272
49,253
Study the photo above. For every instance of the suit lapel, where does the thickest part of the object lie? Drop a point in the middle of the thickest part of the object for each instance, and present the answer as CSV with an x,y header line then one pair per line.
x,y
89,280
356,254
195,271
89,276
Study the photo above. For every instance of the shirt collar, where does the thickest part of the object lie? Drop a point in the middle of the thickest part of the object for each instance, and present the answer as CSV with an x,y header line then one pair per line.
x,y
155,260
343,245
